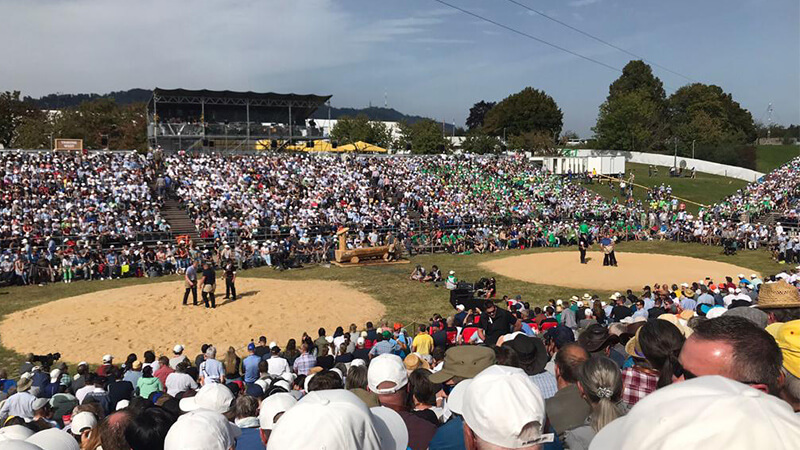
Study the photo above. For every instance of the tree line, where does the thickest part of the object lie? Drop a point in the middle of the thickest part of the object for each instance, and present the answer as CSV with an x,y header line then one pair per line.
x,y
24,125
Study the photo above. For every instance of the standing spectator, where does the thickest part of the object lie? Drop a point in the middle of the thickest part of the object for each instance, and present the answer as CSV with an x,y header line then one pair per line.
x,y
495,322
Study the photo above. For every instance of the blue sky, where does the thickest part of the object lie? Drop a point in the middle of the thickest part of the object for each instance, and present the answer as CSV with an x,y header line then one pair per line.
x,y
429,59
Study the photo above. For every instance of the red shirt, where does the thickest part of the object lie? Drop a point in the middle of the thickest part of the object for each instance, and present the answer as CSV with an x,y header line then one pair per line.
x,y
162,373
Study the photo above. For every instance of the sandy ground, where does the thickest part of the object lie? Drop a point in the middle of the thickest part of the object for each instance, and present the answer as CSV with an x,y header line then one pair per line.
x,y
635,270
137,318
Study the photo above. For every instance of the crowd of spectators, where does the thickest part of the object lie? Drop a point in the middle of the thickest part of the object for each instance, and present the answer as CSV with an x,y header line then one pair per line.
x,y
579,373
66,216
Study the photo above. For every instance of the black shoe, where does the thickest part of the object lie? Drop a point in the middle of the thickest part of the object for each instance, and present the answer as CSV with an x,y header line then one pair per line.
x,y
225,298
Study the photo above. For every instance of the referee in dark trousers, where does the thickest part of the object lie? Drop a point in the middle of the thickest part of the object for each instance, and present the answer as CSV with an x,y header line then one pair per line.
x,y
583,244
209,284
191,283
230,280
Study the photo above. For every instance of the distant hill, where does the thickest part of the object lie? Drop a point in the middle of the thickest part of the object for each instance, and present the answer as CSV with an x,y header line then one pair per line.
x,y
60,101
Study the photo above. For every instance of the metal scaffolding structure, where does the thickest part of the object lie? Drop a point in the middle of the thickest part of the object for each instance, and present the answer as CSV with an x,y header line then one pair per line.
x,y
203,120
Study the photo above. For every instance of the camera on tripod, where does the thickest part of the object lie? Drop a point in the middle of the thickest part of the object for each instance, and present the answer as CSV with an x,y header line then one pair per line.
x,y
47,360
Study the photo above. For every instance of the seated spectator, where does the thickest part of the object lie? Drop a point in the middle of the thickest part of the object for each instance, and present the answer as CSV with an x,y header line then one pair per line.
x,y
533,358
600,384
735,348
725,414
246,418
270,411
567,409
148,384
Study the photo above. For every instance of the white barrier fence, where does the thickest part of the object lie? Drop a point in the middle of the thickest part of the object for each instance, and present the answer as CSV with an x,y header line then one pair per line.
x,y
668,161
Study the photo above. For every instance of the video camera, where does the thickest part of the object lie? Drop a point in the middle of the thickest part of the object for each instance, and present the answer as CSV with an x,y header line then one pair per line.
x,y
48,359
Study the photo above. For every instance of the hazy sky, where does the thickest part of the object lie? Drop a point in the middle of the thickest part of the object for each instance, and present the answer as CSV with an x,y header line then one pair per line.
x,y
430,59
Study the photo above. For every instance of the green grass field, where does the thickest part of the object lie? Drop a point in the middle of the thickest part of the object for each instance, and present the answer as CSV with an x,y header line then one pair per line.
x,y
406,301
705,189
770,157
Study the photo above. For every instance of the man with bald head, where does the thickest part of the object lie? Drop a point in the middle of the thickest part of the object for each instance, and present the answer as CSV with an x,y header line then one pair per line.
x,y
735,348
567,409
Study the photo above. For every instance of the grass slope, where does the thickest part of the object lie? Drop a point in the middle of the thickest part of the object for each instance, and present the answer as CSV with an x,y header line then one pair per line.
x,y
770,157
706,189
406,301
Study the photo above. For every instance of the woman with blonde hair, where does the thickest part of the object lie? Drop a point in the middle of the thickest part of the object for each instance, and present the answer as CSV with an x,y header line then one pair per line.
x,y
232,364
600,384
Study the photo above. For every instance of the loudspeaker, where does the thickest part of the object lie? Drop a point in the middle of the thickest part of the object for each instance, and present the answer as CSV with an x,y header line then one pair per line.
x,y
309,144
334,144
408,146
211,144
273,144
440,148
205,142
461,296
104,141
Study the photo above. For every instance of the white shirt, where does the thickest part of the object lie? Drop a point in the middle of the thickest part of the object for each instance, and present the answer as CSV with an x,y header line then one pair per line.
x,y
179,382
80,394
175,360
277,366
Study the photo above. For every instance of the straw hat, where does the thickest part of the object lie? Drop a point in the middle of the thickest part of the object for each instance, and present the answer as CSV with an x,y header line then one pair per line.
x,y
778,295
414,362
633,348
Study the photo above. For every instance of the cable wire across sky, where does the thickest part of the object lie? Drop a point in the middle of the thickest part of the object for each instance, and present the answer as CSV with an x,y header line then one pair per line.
x,y
557,47
603,41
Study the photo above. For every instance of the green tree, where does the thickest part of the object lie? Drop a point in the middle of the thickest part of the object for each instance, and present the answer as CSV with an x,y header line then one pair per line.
x,y
12,112
477,114
34,131
708,116
529,110
479,142
424,137
349,130
634,115
538,142
629,122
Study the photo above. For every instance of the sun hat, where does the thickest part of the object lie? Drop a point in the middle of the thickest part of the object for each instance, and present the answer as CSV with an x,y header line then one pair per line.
x,y
531,351
595,337
39,403
82,421
24,382
272,406
53,439
338,418
136,365
413,362
213,396
787,336
778,295
504,407
391,428
463,361
15,433
202,429
386,368
633,348
725,414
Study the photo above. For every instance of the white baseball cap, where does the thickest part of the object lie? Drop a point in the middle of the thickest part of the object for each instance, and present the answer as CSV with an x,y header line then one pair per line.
x,y
213,396
508,390
725,414
202,429
19,445
460,307
455,400
53,439
177,349
391,428
383,368
82,421
15,432
272,406
122,404
107,358
54,375
340,420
